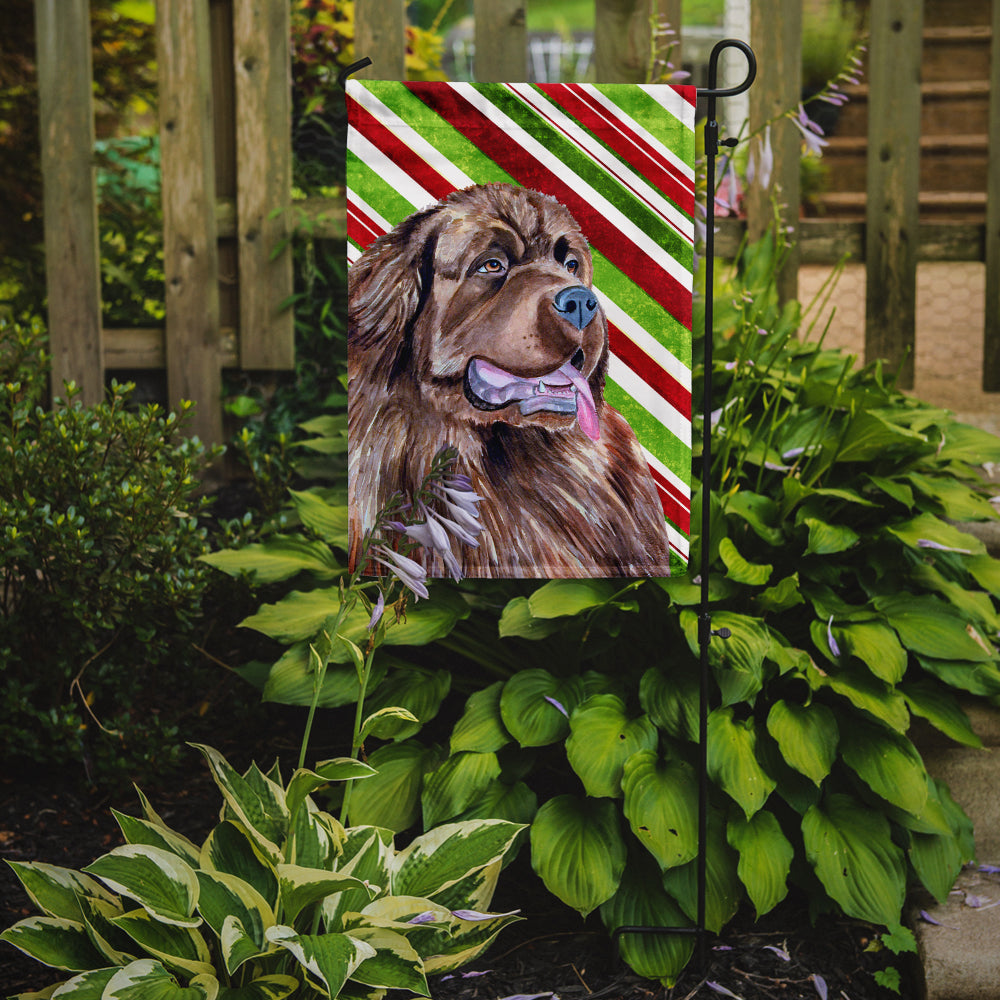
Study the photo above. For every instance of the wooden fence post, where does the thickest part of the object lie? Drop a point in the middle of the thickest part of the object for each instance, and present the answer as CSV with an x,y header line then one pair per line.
x,y
776,35
501,40
622,40
72,255
893,183
262,61
380,34
190,251
991,332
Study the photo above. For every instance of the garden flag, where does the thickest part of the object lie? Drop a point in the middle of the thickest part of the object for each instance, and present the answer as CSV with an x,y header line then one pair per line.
x,y
520,291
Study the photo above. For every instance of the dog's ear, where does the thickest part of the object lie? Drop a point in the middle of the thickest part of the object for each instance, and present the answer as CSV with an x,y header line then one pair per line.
x,y
388,285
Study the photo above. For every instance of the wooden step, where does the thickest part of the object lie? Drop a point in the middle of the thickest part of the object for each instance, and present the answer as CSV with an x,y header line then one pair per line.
x,y
945,104
958,206
956,53
940,13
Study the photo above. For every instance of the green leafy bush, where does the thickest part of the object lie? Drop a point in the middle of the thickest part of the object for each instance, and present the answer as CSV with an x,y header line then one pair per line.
x,y
280,899
99,540
855,603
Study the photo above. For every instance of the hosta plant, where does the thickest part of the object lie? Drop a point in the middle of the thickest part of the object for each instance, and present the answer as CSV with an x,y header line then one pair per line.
x,y
279,900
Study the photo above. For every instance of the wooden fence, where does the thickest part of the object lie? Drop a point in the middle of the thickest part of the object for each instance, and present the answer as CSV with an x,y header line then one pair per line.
x,y
226,160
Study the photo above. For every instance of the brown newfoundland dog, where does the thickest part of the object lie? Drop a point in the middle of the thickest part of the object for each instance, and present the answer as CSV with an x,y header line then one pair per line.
x,y
474,324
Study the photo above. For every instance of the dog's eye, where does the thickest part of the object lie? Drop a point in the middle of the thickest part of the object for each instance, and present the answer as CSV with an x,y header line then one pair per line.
x,y
572,265
492,266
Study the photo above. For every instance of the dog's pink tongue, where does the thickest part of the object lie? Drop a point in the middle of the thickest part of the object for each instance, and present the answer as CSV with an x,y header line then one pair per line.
x,y
586,412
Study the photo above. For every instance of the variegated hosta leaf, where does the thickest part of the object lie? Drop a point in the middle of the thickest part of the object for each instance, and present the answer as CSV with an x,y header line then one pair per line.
x,y
141,831
328,959
456,784
256,801
732,760
87,986
56,891
850,847
177,947
367,854
661,799
225,897
304,782
807,736
158,880
230,849
535,706
888,763
578,851
275,987
315,838
765,858
54,941
481,727
602,737
466,941
476,890
116,946
395,964
147,979
441,857
300,887
642,902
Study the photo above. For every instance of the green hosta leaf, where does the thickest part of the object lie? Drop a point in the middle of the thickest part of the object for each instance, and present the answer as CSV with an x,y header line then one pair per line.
x,y
456,784
386,723
888,763
517,620
893,488
481,728
941,709
865,692
937,859
758,511
641,901
230,849
870,436
976,678
850,847
159,881
367,853
986,571
765,858
578,851
180,948
752,574
738,661
87,986
304,782
827,539
783,595
279,558
527,711
391,798
723,889
325,519
876,646
395,964
602,738
732,760
417,690
661,799
559,598
274,987
965,443
292,680
438,859
515,803
54,941
928,528
671,699
957,501
225,897
684,592
932,628
330,959
141,831
976,605
56,891
807,736
301,887
260,809
98,916
147,979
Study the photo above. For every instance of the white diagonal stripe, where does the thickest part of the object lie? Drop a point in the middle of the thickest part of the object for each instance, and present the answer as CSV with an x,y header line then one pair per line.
x,y
649,399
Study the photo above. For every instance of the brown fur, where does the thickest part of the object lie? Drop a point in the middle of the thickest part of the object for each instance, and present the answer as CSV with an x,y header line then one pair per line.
x,y
421,308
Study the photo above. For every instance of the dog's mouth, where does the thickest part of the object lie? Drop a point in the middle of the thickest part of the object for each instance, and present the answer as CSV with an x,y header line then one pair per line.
x,y
564,390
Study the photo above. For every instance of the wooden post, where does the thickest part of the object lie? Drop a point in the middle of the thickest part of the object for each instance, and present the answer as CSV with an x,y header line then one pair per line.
x,y
190,254
501,40
893,183
380,34
991,333
72,256
668,14
262,61
776,35
622,40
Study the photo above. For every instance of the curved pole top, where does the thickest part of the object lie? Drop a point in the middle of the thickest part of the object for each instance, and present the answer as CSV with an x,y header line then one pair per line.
x,y
712,90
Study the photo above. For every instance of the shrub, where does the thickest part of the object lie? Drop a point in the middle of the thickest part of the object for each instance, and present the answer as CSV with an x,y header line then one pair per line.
x,y
280,899
99,539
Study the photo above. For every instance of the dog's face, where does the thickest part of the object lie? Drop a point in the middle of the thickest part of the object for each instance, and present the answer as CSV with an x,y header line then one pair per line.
x,y
497,313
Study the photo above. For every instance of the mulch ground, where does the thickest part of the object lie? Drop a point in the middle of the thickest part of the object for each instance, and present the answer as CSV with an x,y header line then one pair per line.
x,y
550,953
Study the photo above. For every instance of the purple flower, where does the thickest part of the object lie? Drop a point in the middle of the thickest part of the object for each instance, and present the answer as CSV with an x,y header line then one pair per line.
x,y
558,705
761,163
475,915
427,917
719,988
834,648
820,983
811,132
780,952
410,573
377,612
454,527
927,543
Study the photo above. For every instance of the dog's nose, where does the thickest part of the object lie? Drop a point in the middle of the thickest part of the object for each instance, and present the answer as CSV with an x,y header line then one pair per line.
x,y
577,304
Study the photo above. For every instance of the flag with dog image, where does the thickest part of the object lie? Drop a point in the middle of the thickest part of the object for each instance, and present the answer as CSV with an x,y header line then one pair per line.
x,y
520,290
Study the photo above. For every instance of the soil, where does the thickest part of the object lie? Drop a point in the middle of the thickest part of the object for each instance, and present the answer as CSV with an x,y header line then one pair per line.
x,y
550,953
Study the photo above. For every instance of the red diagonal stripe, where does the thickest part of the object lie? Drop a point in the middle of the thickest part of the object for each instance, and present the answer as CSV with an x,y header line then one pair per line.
x,y
397,151
527,170
362,229
629,353
631,147
677,512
